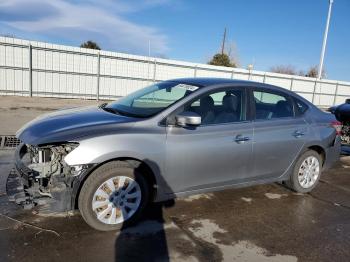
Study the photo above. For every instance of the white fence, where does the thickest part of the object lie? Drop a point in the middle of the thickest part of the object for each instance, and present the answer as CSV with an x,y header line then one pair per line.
x,y
31,68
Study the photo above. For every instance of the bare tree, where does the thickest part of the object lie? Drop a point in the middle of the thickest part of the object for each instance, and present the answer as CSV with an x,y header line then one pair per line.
x,y
290,70
284,69
313,72
90,44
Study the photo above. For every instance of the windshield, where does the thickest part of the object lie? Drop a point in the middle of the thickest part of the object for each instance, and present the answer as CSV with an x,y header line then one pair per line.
x,y
151,100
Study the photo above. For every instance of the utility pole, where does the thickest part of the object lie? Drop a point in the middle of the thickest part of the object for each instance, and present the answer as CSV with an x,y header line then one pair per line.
x,y
223,42
320,67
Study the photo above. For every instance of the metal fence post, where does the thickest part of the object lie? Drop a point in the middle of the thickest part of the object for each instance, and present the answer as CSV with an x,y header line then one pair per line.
x,y
232,74
98,76
30,70
155,70
313,93
291,83
195,71
264,79
335,94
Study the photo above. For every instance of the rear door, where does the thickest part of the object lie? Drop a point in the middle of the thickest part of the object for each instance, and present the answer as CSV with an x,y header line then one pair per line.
x,y
279,134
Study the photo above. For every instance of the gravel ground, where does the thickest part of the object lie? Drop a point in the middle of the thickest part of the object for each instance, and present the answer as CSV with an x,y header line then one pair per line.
x,y
15,111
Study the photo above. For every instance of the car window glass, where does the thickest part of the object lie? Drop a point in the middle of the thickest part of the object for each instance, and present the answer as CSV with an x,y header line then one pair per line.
x,y
301,106
151,100
219,107
217,97
159,98
269,105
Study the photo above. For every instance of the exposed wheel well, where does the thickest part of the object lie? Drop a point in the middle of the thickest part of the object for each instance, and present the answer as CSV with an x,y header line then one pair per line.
x,y
320,151
146,170
135,163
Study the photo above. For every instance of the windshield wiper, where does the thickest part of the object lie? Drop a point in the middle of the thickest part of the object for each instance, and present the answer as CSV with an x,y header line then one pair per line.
x,y
103,105
118,112
109,109
112,110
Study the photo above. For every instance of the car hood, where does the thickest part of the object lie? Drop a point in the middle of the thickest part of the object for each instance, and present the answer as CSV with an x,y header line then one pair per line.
x,y
70,124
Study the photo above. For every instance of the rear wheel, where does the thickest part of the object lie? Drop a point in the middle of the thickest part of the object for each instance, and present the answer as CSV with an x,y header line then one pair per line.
x,y
306,173
114,195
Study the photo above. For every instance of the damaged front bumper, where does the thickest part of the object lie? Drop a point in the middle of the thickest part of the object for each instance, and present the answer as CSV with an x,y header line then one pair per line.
x,y
43,179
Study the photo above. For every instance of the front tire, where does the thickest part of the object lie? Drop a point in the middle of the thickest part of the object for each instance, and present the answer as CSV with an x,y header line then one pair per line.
x,y
306,173
113,196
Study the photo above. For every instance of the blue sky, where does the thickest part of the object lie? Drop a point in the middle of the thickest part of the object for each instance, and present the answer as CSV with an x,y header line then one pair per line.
x,y
264,32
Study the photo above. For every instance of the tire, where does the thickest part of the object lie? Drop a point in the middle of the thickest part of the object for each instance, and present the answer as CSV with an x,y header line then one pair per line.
x,y
296,181
120,203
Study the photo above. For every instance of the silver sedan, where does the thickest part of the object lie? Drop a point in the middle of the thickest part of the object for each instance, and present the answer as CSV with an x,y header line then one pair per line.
x,y
173,138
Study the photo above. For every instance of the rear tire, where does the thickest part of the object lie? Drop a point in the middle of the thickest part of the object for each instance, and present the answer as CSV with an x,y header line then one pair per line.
x,y
306,173
113,196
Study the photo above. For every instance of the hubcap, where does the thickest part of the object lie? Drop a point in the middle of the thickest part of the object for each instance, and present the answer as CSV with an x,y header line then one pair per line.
x,y
116,200
309,172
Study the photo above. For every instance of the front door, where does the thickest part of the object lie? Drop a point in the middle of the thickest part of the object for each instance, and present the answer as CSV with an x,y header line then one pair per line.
x,y
215,154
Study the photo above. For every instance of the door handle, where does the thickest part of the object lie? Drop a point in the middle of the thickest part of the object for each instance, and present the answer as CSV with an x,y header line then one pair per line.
x,y
298,134
241,139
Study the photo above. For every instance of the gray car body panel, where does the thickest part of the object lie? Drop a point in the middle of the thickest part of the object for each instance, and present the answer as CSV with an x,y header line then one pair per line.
x,y
71,124
186,161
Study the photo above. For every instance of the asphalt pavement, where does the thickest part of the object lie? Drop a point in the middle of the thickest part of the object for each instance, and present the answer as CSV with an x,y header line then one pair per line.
x,y
260,223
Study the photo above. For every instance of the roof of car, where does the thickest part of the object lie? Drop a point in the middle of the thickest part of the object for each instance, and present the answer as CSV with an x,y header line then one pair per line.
x,y
208,81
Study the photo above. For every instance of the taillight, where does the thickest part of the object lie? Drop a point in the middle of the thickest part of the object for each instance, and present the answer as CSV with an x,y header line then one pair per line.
x,y
337,126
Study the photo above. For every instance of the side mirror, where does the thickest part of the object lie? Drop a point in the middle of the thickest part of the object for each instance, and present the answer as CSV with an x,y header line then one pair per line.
x,y
188,118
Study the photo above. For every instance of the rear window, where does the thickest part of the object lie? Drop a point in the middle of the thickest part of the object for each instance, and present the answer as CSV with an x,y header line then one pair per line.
x,y
271,105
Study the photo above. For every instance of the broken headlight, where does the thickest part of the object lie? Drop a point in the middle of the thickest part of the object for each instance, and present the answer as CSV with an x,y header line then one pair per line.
x,y
47,160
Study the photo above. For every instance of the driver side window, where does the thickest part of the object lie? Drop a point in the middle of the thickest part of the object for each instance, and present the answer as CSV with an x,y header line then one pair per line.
x,y
225,106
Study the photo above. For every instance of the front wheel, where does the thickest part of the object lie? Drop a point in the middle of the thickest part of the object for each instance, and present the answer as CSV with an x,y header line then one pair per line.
x,y
113,196
306,173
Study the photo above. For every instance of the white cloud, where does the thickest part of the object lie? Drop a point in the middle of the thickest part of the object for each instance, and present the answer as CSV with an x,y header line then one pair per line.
x,y
101,21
